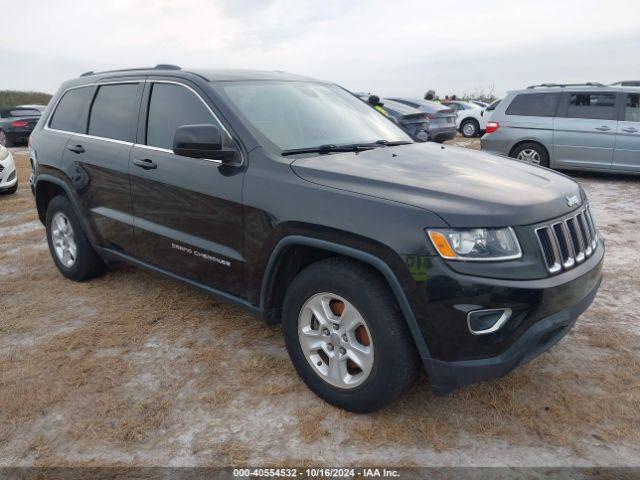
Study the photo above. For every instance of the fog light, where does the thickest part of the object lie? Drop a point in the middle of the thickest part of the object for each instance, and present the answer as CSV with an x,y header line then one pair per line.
x,y
482,322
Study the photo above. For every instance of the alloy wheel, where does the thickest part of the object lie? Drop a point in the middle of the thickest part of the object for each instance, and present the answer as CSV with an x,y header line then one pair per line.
x,y
335,340
469,129
3,138
529,155
63,240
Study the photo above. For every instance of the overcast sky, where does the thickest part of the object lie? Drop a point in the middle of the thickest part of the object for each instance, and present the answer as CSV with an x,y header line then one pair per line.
x,y
388,47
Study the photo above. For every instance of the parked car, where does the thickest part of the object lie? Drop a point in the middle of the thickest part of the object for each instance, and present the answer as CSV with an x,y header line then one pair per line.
x,y
469,120
442,120
628,83
479,103
16,125
291,198
411,120
40,108
580,127
8,174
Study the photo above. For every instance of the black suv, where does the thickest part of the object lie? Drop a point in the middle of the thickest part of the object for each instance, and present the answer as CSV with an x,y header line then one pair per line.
x,y
293,199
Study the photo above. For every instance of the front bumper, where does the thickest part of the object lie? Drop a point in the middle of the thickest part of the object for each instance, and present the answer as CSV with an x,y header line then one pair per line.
x,y
8,174
544,311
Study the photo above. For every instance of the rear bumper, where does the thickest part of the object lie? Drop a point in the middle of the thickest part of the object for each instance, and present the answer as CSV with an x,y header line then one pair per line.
x,y
18,135
442,134
548,312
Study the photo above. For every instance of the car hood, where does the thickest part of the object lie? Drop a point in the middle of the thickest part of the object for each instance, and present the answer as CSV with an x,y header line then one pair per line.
x,y
466,188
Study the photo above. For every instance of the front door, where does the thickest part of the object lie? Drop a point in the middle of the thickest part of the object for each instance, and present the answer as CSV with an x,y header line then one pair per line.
x,y
627,153
188,217
585,130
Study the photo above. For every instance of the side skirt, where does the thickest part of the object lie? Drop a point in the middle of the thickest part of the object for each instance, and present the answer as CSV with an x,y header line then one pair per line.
x,y
109,254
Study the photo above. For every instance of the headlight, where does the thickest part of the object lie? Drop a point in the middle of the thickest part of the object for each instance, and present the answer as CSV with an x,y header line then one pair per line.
x,y
476,244
4,154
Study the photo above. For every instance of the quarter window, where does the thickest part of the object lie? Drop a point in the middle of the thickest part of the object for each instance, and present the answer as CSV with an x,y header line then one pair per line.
x,y
533,105
115,112
172,106
632,108
600,106
70,114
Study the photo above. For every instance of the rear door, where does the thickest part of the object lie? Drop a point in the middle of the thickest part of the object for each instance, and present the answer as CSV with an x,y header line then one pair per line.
x,y
626,156
188,211
98,162
585,129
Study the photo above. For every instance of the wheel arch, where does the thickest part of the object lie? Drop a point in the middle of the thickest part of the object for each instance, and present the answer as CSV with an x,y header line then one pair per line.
x,y
45,188
530,140
324,249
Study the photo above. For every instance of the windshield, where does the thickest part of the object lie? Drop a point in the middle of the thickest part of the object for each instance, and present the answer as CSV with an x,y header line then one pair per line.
x,y
291,115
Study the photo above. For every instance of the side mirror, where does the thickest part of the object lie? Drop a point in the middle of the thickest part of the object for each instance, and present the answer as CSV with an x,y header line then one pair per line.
x,y
201,141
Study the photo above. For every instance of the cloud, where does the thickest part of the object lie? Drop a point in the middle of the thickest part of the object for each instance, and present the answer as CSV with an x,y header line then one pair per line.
x,y
400,48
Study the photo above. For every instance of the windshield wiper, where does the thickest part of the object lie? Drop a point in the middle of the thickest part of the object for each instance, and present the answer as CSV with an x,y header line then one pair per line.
x,y
329,148
387,143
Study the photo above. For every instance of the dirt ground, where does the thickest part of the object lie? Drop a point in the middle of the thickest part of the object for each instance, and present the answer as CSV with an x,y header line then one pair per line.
x,y
134,369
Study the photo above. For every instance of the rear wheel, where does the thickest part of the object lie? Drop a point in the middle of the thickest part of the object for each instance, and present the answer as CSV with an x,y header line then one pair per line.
x,y
531,152
69,246
346,336
470,128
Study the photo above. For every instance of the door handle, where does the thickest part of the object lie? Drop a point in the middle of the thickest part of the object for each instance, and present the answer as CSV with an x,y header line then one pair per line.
x,y
630,130
76,148
145,163
603,128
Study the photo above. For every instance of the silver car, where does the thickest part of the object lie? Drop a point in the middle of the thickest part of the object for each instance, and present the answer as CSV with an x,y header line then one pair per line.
x,y
575,126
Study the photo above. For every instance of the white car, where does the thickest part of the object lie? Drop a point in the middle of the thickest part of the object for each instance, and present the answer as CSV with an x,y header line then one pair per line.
x,y
8,174
469,120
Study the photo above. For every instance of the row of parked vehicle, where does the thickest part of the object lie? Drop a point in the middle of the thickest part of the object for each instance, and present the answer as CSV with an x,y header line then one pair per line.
x,y
438,122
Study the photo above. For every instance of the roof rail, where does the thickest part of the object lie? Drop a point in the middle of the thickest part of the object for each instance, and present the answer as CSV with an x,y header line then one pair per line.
x,y
160,66
562,85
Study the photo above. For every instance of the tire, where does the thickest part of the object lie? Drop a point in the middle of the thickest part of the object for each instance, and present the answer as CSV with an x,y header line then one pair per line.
x,y
85,263
531,152
4,140
470,128
394,361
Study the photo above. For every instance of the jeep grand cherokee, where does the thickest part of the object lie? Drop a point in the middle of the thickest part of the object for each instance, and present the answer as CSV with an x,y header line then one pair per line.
x,y
293,199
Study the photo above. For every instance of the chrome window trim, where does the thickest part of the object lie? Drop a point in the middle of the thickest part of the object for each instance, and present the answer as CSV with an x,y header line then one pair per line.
x,y
133,144
215,117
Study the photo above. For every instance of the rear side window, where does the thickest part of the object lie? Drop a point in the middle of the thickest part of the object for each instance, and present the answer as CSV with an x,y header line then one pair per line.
x,y
534,105
115,112
71,110
632,108
172,106
600,106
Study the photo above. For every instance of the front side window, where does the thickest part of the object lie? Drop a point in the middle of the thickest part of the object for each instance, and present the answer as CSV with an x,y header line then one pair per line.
x,y
534,105
115,112
632,108
597,106
291,114
172,106
70,114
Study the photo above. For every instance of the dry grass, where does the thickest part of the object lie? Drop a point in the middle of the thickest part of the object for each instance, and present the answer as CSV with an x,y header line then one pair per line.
x,y
134,369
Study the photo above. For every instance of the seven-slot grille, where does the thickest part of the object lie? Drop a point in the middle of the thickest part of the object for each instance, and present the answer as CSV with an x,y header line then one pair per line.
x,y
568,242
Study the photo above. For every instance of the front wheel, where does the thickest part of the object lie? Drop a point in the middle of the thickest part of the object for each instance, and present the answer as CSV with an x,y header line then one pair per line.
x,y
4,140
346,336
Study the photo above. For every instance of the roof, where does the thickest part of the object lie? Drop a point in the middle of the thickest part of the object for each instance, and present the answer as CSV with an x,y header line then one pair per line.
x,y
211,75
